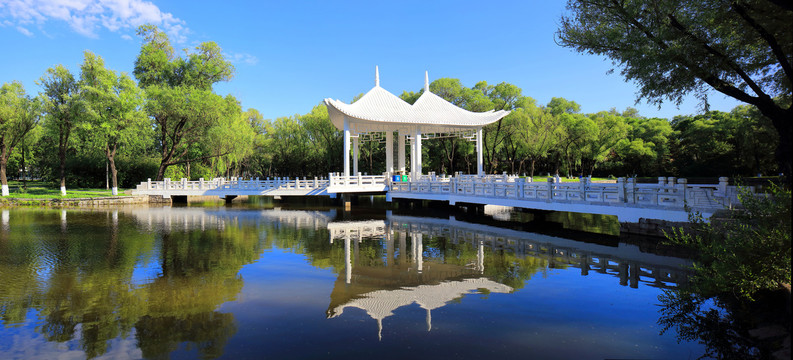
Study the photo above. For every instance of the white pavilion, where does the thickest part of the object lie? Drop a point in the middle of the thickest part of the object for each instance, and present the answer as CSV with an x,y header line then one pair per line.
x,y
380,113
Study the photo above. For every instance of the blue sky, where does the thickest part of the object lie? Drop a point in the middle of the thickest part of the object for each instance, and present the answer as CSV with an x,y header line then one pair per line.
x,y
289,55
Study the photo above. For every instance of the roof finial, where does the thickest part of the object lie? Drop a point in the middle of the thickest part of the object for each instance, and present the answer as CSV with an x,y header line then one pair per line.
x,y
426,81
376,76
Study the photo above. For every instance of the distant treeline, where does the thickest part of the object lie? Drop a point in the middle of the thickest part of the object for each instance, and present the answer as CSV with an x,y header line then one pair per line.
x,y
168,122
540,139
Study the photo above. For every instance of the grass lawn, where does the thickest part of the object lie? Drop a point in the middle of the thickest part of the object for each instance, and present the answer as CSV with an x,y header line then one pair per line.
x,y
44,190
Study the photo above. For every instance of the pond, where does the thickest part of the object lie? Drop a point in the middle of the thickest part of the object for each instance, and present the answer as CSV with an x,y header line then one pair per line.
x,y
319,282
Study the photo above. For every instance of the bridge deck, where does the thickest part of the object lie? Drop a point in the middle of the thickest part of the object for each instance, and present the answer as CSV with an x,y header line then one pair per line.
x,y
629,201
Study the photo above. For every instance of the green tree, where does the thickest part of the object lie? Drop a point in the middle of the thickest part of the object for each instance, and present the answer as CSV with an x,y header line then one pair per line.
x,y
62,106
579,131
180,96
231,140
646,149
19,114
288,142
558,106
704,145
755,139
671,48
746,255
611,129
114,115
539,133
324,138
503,96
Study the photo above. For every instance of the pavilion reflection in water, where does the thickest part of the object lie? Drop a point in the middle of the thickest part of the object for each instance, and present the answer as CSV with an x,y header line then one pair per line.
x,y
406,279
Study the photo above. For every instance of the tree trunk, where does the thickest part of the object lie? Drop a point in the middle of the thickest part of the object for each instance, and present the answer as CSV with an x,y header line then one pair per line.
x,y
62,157
161,171
531,174
3,162
24,169
783,123
111,158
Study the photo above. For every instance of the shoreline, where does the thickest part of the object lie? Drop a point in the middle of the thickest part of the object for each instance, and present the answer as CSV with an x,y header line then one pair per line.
x,y
84,201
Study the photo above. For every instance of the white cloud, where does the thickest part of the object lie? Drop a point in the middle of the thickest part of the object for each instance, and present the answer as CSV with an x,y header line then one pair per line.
x,y
86,17
241,58
126,37
24,31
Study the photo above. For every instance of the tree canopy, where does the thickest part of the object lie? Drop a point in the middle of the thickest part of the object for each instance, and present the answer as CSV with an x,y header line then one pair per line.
x,y
180,97
671,48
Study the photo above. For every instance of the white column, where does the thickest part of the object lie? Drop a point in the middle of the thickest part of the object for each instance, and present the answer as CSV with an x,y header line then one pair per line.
x,y
347,260
355,156
479,159
346,150
480,257
5,190
389,152
419,252
401,150
415,154
418,151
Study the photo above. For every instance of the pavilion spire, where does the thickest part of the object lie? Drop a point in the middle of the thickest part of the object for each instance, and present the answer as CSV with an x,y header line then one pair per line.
x,y
426,81
376,76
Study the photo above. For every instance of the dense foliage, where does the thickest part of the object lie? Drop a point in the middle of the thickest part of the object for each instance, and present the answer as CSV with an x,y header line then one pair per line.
x,y
671,48
746,254
88,128
742,264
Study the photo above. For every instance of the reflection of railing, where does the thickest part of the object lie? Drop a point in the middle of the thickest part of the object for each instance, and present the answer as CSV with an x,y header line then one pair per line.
x,y
177,219
356,230
626,262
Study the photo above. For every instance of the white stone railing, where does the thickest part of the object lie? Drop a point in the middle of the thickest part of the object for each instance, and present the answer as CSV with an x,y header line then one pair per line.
x,y
235,184
669,192
338,181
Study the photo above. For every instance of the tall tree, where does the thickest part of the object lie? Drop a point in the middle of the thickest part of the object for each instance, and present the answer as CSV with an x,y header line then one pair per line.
x,y
324,138
61,101
539,133
503,96
114,115
611,128
740,48
18,115
231,140
180,97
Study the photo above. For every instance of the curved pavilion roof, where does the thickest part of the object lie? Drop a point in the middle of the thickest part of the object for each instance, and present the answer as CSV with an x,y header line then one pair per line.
x,y
380,110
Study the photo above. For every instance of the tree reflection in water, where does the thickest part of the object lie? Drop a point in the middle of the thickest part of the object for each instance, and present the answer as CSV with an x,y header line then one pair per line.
x,y
84,288
711,322
159,276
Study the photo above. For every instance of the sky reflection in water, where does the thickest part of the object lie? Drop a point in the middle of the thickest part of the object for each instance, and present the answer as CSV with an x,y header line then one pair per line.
x,y
246,283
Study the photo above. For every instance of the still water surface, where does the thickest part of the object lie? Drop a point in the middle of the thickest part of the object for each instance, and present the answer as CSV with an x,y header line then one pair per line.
x,y
222,282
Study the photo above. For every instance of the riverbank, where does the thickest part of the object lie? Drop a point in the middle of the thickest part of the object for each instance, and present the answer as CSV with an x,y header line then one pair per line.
x,y
81,201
